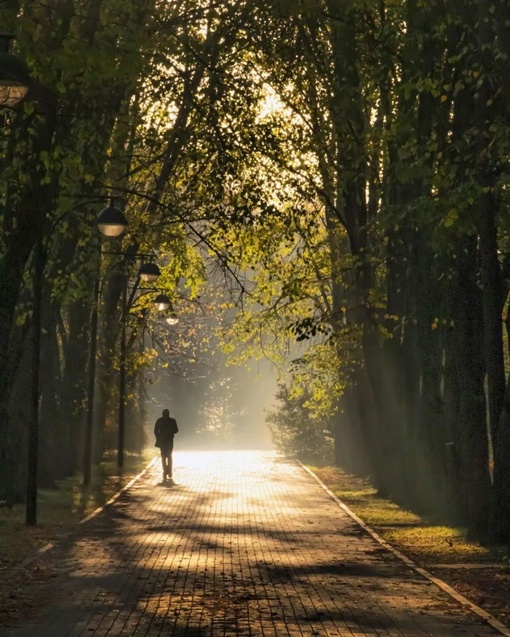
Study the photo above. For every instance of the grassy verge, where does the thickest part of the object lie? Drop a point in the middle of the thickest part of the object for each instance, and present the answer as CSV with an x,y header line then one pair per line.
x,y
418,538
61,508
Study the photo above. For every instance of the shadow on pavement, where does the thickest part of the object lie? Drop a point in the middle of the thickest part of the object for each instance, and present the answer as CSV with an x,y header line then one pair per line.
x,y
167,566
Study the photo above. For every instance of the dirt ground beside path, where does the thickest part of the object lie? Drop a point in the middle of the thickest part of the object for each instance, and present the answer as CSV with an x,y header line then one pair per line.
x,y
489,588
16,600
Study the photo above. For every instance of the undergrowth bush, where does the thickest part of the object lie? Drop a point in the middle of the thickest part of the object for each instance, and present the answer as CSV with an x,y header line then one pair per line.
x,y
296,433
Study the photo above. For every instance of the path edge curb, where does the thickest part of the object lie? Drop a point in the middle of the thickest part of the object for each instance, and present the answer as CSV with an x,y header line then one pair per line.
x,y
464,601
47,547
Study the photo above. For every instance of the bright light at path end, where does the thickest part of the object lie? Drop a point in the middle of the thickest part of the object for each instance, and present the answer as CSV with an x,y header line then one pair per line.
x,y
202,461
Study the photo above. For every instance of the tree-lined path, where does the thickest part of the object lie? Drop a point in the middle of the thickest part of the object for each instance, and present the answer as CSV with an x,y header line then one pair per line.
x,y
243,545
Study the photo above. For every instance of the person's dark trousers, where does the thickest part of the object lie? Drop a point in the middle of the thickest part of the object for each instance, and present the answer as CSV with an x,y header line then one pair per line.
x,y
166,459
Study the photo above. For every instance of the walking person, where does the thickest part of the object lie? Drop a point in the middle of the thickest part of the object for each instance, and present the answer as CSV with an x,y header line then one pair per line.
x,y
164,430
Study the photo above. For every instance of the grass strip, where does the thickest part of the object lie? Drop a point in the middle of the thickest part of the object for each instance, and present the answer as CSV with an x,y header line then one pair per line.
x,y
423,540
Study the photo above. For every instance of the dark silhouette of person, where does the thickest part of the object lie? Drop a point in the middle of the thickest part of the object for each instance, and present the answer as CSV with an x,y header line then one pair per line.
x,y
164,430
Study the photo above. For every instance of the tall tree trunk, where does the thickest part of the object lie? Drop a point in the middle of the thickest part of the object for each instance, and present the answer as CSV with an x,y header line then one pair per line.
x,y
471,435
107,339
351,432
455,489
486,115
51,460
74,380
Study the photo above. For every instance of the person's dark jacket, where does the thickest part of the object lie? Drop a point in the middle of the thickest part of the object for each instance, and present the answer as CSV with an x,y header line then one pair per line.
x,y
164,430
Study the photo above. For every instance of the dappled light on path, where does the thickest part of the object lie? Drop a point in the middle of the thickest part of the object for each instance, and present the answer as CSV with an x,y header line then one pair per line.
x,y
243,544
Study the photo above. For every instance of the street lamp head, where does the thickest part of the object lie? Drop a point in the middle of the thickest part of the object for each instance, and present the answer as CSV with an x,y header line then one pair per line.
x,y
111,221
14,75
162,302
149,272
172,318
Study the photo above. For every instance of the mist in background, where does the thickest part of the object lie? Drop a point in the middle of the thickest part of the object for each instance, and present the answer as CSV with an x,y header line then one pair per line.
x,y
215,408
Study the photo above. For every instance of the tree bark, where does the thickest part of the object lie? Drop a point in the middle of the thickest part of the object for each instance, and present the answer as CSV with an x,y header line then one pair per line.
x,y
471,435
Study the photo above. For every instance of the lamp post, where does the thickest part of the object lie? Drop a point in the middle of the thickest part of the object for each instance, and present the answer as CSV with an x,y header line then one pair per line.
x,y
14,84
33,426
162,302
148,272
111,222
172,318
122,380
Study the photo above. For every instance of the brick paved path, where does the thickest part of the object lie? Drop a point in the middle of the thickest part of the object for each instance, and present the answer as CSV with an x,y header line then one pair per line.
x,y
243,545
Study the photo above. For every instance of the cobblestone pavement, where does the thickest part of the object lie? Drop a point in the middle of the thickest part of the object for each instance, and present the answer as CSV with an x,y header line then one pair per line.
x,y
243,545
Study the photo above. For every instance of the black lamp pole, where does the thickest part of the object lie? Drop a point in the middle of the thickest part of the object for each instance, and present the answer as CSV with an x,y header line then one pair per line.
x,y
162,302
14,84
34,422
111,223
148,272
122,379
33,428
89,422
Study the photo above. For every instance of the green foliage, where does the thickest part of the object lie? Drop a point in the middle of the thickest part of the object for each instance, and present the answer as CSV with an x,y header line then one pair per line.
x,y
319,185
297,433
